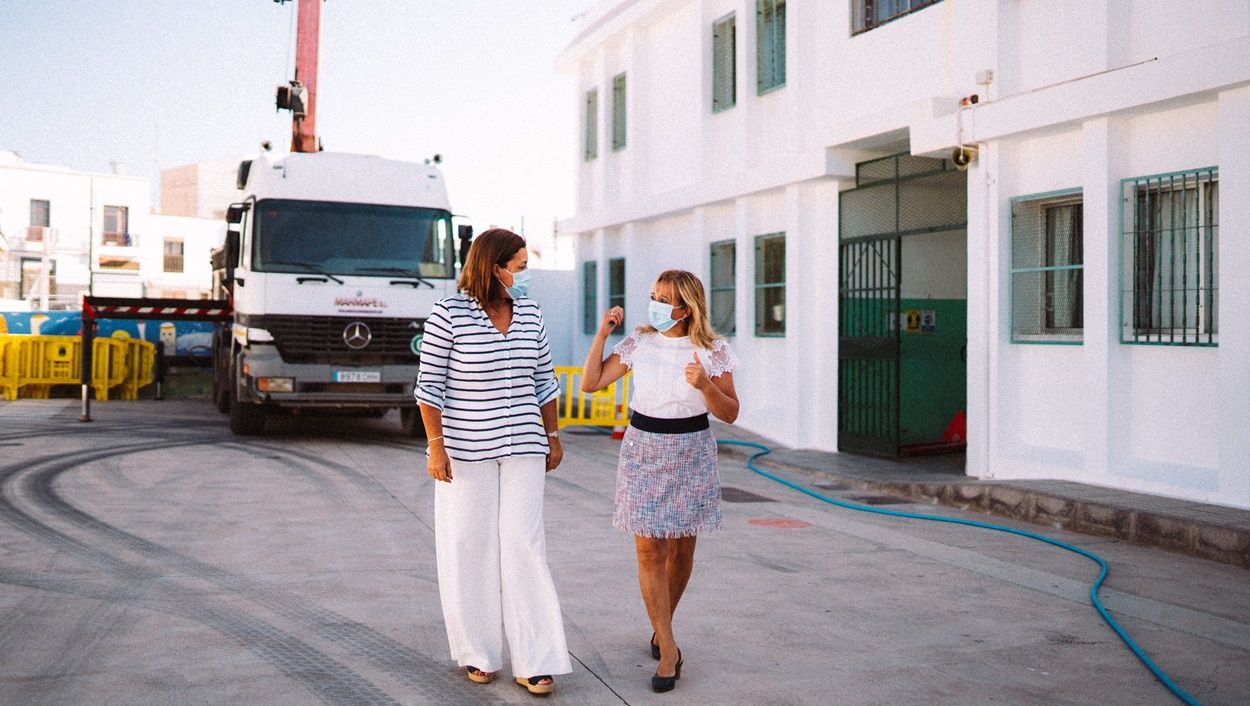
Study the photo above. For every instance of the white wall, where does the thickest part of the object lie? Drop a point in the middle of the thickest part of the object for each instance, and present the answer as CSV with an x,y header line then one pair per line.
x,y
1083,95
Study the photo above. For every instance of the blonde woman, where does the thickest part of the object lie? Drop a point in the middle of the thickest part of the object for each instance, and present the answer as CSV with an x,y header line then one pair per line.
x,y
667,483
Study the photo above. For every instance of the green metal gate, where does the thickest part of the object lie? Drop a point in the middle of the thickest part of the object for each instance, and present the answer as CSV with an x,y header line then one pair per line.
x,y
894,197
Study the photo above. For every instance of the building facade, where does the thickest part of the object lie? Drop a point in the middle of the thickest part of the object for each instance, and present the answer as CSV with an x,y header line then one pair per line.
x,y
65,233
1065,302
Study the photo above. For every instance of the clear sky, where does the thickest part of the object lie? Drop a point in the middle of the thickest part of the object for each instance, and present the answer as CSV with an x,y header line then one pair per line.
x,y
157,84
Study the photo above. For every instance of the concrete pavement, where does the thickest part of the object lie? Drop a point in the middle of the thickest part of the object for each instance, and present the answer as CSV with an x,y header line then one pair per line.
x,y
151,557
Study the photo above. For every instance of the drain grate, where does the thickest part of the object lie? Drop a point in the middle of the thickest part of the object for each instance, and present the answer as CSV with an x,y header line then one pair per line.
x,y
879,500
738,495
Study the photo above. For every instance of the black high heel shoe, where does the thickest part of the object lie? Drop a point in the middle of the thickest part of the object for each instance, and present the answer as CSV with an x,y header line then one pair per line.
x,y
661,684
655,649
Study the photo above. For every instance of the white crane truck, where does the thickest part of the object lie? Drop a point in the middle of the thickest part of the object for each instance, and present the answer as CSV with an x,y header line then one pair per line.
x,y
332,263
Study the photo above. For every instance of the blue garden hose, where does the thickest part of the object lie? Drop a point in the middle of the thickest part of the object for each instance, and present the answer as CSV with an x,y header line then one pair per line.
x,y
1093,589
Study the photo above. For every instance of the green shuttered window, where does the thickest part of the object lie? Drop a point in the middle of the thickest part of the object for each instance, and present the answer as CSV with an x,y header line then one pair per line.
x,y
770,285
770,45
868,14
722,288
1047,268
590,297
592,125
1170,274
618,112
724,64
616,287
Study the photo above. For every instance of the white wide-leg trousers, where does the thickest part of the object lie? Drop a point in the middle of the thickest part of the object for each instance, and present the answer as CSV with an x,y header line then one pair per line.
x,y
492,567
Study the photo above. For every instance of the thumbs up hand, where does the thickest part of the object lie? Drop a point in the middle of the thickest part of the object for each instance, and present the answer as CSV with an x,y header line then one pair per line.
x,y
696,376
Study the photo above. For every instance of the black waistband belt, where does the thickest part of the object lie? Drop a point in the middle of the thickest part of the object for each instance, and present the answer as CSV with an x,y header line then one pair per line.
x,y
658,425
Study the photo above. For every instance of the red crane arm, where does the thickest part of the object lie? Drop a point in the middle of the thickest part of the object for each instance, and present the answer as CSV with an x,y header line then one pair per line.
x,y
307,48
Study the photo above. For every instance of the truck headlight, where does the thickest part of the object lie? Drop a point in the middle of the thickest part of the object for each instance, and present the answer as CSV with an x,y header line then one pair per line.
x,y
275,384
249,334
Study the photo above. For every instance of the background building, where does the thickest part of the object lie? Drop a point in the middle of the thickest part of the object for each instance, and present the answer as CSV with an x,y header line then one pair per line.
x,y
1070,292
66,232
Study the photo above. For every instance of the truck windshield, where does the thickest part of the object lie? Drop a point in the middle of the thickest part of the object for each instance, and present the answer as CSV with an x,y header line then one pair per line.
x,y
352,239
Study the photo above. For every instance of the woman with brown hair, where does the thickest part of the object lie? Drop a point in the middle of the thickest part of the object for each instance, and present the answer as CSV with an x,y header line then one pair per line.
x,y
667,483
487,392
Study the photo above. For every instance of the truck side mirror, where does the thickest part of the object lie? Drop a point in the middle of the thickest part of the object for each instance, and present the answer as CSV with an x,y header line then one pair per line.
x,y
465,232
232,252
234,213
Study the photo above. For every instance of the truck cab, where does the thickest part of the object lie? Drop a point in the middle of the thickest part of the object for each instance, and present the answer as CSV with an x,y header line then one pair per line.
x,y
332,263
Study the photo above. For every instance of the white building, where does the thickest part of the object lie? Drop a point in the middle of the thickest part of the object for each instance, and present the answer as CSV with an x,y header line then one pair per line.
x,y
1084,311
64,233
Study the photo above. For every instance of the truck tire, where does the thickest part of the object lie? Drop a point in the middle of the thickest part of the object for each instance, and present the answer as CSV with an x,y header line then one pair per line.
x,y
410,420
221,394
246,419
221,371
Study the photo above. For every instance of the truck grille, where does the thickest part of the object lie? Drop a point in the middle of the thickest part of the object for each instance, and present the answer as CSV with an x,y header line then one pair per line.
x,y
320,339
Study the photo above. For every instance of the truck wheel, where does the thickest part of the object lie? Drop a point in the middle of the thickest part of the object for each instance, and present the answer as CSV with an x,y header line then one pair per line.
x,y
221,394
410,420
246,419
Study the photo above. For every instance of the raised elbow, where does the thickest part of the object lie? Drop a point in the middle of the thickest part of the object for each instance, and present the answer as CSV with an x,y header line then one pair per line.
x,y
587,387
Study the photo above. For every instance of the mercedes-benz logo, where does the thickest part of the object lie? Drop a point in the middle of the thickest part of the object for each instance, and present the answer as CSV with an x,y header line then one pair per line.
x,y
357,335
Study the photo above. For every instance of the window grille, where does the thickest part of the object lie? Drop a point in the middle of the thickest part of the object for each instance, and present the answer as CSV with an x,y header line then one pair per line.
x,y
1170,276
770,45
616,288
724,64
770,285
592,125
1047,268
590,297
116,221
173,255
869,14
722,288
40,213
618,112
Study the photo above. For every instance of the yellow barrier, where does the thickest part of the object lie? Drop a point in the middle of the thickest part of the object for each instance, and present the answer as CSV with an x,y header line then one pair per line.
x,y
608,407
9,357
31,365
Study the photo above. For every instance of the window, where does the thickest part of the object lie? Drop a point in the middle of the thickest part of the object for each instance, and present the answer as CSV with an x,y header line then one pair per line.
x,y
116,222
874,13
1171,266
40,219
616,287
1047,263
592,125
173,255
770,45
618,112
724,64
770,285
721,287
590,297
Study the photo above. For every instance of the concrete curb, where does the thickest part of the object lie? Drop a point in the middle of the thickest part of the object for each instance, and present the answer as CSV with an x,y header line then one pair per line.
x,y
1205,531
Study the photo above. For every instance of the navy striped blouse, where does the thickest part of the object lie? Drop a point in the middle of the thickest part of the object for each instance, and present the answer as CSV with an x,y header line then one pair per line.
x,y
489,386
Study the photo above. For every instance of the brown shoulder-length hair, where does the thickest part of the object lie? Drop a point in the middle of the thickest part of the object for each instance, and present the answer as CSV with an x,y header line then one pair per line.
x,y
690,295
495,246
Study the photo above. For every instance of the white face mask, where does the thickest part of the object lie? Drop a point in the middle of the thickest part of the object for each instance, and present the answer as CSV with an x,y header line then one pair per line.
x,y
660,315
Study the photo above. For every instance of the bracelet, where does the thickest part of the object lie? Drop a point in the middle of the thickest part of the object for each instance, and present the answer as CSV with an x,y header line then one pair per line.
x,y
433,439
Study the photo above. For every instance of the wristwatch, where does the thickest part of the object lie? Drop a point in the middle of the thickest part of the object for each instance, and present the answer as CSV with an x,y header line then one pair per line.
x,y
553,434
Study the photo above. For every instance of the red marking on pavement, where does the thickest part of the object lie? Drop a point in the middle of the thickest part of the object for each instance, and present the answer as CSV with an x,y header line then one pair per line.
x,y
779,522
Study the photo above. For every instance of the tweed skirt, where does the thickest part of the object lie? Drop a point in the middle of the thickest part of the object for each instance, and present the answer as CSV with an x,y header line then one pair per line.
x,y
667,485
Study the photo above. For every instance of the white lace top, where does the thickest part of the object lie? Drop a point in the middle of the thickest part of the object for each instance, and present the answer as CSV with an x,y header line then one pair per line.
x,y
659,365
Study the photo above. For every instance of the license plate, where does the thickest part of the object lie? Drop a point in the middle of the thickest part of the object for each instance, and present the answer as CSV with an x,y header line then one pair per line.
x,y
357,376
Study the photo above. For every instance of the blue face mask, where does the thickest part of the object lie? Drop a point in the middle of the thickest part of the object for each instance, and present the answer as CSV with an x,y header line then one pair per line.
x,y
520,284
660,316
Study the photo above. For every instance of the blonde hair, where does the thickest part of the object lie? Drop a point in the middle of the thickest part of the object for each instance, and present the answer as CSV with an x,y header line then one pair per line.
x,y
689,292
